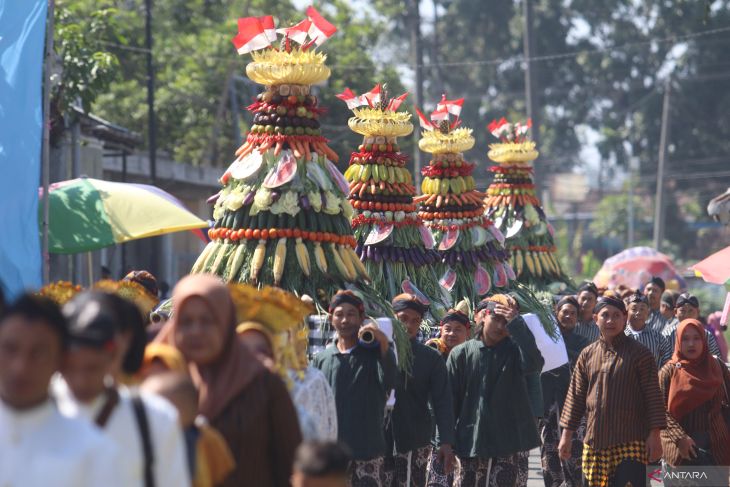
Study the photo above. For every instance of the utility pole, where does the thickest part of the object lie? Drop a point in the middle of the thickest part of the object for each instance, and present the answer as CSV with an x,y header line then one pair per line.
x,y
663,140
530,94
417,63
151,120
46,147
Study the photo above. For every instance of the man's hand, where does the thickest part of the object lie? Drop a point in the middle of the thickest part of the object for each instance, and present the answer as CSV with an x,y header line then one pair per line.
x,y
654,445
687,448
508,312
565,446
446,457
379,336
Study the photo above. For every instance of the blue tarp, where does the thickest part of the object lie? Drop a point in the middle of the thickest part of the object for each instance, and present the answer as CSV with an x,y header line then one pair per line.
x,y
22,35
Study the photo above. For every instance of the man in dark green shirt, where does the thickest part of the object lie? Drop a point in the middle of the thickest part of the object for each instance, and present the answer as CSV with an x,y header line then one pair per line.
x,y
361,376
411,425
495,424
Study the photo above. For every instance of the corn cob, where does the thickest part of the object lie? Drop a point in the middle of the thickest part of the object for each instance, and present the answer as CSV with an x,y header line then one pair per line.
x,y
319,257
218,262
198,266
359,266
302,257
349,266
338,262
530,264
236,262
279,259
211,256
257,262
538,265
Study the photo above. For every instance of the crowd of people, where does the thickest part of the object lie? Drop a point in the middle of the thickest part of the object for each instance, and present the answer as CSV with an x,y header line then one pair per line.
x,y
94,393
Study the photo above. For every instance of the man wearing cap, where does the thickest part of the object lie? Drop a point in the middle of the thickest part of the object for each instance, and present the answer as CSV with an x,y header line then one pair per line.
x,y
638,311
666,307
653,291
495,423
688,307
411,419
615,385
133,421
361,376
39,447
587,296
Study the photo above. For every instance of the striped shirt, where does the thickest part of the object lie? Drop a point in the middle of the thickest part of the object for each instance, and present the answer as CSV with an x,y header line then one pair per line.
x,y
321,334
588,330
656,321
670,333
616,387
657,344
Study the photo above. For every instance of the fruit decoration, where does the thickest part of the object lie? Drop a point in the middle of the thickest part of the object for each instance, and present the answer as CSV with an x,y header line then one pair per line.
x,y
392,241
473,261
61,292
513,205
282,218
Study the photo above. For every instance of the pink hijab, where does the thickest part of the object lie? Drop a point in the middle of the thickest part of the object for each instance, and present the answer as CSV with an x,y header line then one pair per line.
x,y
222,381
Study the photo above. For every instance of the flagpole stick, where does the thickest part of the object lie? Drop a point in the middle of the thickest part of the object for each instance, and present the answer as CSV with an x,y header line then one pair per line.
x,y
45,151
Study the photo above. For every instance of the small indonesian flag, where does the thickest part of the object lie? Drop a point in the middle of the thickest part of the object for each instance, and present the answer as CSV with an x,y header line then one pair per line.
x,y
351,99
522,128
297,33
395,103
320,29
439,115
423,121
373,96
451,106
499,128
251,36
267,21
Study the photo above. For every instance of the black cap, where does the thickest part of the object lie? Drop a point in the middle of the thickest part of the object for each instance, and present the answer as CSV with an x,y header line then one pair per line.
x,y
658,281
637,297
588,286
687,298
609,301
92,321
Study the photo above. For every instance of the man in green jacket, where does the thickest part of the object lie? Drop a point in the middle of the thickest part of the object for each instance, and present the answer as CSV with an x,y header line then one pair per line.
x,y
411,420
361,376
495,424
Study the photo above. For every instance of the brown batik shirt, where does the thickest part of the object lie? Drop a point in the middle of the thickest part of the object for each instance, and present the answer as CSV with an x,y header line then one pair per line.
x,y
617,388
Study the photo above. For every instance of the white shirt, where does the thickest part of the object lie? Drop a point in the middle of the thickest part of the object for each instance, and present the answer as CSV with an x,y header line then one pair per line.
x,y
42,448
315,404
170,460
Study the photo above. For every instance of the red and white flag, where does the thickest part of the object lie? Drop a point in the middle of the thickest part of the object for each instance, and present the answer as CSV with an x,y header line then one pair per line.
x,y
267,22
351,99
373,96
251,36
439,115
451,106
423,121
395,103
320,29
297,33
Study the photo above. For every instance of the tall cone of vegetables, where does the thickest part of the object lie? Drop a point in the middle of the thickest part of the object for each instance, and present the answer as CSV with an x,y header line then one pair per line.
x,y
282,217
473,260
392,241
515,208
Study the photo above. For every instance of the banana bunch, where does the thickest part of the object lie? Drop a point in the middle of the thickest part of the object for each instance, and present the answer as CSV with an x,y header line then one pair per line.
x,y
377,172
538,264
442,186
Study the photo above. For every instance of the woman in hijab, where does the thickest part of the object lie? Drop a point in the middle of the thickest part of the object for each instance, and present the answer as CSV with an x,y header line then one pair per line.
x,y
242,399
694,385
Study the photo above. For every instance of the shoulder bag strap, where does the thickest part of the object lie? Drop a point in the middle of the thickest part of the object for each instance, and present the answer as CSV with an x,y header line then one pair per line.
x,y
144,430
111,402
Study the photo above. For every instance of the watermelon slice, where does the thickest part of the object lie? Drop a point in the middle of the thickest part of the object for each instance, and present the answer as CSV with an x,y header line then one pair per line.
x,y
283,172
479,236
426,236
248,167
482,282
337,177
317,175
448,280
500,276
449,239
497,234
408,287
379,233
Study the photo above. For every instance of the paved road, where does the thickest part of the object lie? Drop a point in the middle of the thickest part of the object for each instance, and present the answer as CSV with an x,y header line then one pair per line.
x,y
535,476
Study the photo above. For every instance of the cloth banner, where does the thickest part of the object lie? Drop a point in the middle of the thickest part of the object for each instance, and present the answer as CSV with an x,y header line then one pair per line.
x,y
552,349
22,43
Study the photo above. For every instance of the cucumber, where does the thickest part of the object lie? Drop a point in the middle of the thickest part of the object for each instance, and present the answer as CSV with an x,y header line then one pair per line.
x,y
227,219
238,220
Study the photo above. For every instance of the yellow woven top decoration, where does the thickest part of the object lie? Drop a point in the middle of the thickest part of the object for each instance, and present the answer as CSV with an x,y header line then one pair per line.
x,y
515,147
131,291
274,67
372,122
61,291
274,308
438,142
